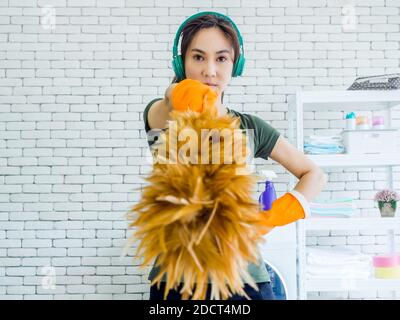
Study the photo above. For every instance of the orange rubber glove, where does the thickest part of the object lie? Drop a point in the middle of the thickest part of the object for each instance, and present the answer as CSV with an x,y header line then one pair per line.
x,y
291,207
193,95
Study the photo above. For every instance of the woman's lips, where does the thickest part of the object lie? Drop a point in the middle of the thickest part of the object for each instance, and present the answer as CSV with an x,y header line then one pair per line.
x,y
214,86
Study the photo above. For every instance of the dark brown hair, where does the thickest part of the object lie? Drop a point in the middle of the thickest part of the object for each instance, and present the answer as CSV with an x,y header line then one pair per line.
x,y
204,22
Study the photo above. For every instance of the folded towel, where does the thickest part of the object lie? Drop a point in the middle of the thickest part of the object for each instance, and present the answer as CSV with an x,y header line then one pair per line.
x,y
337,255
318,265
340,212
343,207
334,200
337,263
332,210
323,144
312,149
332,205
341,216
330,216
362,262
347,275
338,271
323,139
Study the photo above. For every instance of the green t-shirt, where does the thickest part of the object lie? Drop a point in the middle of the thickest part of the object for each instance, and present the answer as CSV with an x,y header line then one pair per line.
x,y
265,137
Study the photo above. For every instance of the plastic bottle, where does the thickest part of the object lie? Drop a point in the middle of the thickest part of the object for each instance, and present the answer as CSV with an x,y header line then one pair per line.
x,y
351,121
378,123
269,194
362,123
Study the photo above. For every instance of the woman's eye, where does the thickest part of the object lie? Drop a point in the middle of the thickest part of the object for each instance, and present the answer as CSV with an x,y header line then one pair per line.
x,y
197,57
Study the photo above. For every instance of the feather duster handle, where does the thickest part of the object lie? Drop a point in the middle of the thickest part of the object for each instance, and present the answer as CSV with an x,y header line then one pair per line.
x,y
197,218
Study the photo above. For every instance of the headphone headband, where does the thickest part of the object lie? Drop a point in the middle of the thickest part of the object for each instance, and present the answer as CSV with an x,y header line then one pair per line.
x,y
199,14
177,61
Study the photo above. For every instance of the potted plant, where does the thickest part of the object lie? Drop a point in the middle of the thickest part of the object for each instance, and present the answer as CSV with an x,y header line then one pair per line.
x,y
387,202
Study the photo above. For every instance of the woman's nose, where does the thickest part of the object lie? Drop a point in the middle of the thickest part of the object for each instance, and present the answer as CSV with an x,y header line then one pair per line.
x,y
210,69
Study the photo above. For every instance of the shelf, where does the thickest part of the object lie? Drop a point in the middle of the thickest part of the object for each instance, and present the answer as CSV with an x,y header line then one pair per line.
x,y
344,100
352,284
355,160
347,100
349,223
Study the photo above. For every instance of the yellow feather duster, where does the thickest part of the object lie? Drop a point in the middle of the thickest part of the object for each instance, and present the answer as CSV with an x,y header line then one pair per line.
x,y
198,217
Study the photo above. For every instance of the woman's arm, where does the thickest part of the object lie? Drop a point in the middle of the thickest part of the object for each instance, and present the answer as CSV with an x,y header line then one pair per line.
x,y
158,115
159,112
311,178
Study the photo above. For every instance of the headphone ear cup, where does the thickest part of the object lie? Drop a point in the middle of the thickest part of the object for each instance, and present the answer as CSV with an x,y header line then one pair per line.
x,y
174,65
177,65
234,69
242,63
239,66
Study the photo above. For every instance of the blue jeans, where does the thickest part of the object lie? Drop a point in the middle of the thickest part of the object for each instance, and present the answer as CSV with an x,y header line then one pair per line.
x,y
264,293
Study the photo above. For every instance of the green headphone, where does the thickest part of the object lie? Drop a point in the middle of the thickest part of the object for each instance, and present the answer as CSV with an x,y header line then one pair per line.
x,y
177,62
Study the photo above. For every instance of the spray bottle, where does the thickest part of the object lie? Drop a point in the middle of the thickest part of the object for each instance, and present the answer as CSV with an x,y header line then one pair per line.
x,y
269,195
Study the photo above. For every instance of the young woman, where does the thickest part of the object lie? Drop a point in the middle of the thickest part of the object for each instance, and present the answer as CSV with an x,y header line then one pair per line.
x,y
210,50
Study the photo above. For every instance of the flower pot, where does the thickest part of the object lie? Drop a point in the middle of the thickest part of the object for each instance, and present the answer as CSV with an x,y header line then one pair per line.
x,y
387,209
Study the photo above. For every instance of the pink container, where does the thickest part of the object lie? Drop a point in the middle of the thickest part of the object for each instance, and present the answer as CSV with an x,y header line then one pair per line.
x,y
377,120
386,261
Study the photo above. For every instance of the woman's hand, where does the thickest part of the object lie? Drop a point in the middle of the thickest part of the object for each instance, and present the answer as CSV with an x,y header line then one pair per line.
x,y
192,95
289,208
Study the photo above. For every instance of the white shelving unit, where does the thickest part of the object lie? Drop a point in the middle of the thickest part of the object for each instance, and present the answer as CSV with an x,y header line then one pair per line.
x,y
342,101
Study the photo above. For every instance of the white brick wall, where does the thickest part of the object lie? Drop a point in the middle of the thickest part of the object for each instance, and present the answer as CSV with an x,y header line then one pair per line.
x,y
72,136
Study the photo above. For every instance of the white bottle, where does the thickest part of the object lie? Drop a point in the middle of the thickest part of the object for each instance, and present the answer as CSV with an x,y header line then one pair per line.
x,y
351,121
351,124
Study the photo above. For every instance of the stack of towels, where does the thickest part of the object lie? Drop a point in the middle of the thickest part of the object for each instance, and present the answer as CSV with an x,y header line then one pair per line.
x,y
337,262
333,208
323,144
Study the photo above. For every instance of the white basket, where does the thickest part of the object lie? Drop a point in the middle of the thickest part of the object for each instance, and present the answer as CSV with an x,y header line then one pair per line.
x,y
370,141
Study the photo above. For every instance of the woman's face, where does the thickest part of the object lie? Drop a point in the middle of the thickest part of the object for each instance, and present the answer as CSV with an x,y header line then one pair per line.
x,y
209,59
